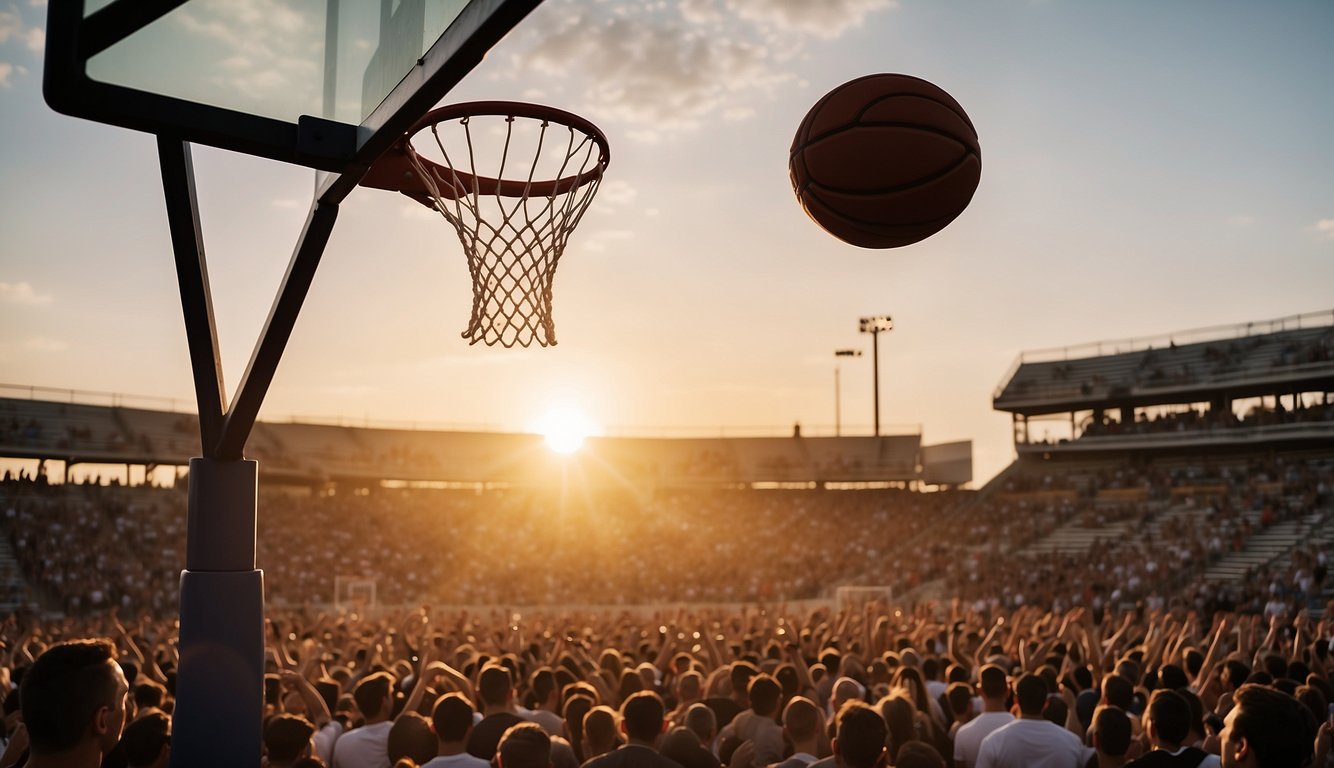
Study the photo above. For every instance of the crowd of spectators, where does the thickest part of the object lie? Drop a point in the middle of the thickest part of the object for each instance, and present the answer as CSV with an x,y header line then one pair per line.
x,y
741,687
84,548
1204,420
98,546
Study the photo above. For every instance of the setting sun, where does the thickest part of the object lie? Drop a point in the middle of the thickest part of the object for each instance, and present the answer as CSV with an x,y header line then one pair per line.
x,y
565,429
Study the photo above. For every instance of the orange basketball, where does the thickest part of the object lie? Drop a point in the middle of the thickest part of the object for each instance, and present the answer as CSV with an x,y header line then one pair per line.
x,y
885,161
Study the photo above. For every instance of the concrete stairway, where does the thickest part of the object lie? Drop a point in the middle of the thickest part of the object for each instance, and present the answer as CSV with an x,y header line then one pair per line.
x,y
1272,545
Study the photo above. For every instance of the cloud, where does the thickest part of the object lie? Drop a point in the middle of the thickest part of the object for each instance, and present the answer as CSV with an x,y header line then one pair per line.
x,y
45,344
1326,228
1241,220
603,240
616,192
662,68
35,39
11,24
6,72
22,294
826,19
262,48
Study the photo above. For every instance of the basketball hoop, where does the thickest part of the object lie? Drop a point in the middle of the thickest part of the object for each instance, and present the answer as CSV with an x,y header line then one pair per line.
x,y
513,222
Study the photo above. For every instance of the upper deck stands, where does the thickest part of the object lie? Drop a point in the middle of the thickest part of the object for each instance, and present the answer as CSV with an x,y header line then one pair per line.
x,y
1244,360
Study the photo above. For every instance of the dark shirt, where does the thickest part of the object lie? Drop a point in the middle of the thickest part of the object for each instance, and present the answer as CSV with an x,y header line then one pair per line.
x,y
1187,758
631,756
482,743
724,710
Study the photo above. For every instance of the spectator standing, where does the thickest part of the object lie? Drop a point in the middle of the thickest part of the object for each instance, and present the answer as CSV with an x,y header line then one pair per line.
x,y
968,739
1032,741
368,746
495,687
643,721
452,720
1265,729
73,703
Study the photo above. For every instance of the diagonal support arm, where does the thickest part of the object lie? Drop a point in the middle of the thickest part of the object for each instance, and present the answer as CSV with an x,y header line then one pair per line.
x,y
187,240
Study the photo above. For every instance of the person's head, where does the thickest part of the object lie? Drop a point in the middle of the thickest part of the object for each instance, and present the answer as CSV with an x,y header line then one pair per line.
x,y
642,717
740,675
74,697
993,683
702,722
1031,694
960,698
846,689
689,686
452,718
372,695
148,694
1173,677
411,736
1167,719
918,754
575,709
147,741
683,746
543,684
1111,731
1118,692
524,745
859,740
1266,729
801,720
631,683
495,685
599,730
765,693
1234,674
287,738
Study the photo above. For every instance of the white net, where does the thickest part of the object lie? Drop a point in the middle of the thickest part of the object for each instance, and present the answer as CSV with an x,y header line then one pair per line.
x,y
513,213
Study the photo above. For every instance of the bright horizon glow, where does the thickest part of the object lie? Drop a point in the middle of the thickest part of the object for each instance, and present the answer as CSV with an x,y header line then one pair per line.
x,y
565,429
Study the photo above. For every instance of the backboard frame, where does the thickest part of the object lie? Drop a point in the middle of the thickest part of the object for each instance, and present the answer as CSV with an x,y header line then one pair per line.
x,y
312,141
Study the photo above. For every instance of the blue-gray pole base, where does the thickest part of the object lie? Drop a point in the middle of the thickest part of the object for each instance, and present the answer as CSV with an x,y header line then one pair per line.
x,y
220,681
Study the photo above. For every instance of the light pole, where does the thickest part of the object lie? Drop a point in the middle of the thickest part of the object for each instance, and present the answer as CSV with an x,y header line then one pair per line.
x,y
838,390
874,326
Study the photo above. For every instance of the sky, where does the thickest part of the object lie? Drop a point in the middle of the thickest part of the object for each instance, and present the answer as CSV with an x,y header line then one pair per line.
x,y
1147,167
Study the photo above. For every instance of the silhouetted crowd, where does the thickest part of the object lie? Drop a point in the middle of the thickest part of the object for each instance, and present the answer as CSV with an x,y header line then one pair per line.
x,y
855,687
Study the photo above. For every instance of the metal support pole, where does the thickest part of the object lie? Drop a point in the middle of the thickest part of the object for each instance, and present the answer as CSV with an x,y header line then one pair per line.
x,y
873,326
220,682
838,418
875,376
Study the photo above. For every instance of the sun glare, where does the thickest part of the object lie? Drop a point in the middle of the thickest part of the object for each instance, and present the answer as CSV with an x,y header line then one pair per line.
x,y
565,429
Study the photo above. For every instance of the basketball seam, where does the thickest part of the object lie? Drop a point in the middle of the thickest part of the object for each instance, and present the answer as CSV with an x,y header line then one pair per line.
x,y
814,184
916,126
956,108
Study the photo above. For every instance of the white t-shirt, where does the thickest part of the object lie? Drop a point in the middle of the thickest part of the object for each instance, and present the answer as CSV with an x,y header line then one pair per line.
x,y
364,747
1032,744
968,739
461,760
325,738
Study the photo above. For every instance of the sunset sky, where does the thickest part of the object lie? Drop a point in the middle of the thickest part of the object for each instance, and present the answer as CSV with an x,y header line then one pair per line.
x,y
1148,167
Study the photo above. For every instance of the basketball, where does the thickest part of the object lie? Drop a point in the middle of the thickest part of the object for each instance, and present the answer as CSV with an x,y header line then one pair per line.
x,y
885,161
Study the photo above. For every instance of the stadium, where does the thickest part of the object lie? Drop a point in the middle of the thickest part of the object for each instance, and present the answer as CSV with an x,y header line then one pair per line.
x,y
1088,522
1196,482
